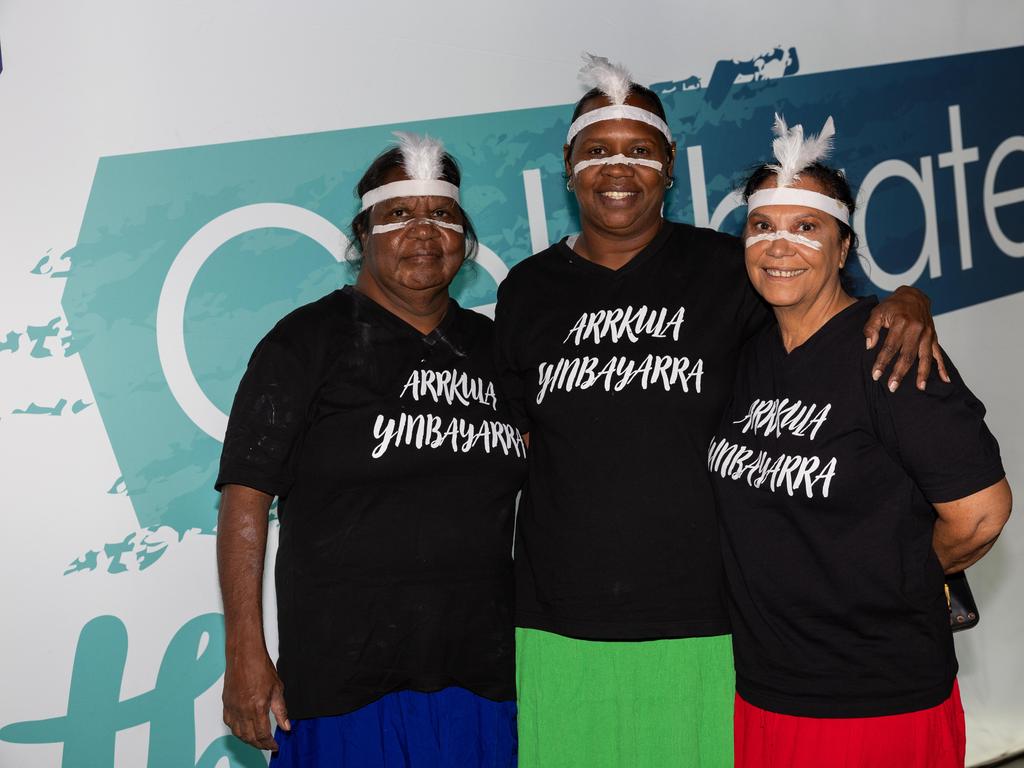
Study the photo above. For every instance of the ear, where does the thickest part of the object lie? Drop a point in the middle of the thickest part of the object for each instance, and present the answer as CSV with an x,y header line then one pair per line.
x,y
845,251
671,160
566,163
359,230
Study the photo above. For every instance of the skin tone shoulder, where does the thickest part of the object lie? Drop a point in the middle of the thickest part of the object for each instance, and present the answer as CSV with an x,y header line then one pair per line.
x,y
801,283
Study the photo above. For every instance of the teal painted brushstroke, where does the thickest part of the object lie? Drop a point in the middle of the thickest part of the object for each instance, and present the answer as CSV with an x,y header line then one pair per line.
x,y
144,207
193,661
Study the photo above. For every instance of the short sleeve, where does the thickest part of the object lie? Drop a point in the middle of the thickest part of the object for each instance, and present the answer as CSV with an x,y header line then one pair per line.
x,y
939,435
267,418
511,375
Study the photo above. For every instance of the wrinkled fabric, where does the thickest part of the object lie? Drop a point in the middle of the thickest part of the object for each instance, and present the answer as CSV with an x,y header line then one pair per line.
x,y
624,704
929,738
447,729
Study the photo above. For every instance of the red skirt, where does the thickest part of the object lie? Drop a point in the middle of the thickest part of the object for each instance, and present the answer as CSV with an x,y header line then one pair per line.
x,y
929,738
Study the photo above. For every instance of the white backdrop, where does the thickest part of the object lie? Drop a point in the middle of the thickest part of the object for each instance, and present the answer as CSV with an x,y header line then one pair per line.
x,y
85,80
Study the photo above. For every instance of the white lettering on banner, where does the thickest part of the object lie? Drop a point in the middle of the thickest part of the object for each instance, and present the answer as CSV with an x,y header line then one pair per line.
x,y
626,321
450,386
619,372
993,200
924,185
785,472
957,158
699,193
425,430
771,417
922,180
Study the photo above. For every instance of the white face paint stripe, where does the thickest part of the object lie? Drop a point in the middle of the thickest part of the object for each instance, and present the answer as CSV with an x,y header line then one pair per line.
x,y
410,188
616,160
379,229
804,197
617,112
772,236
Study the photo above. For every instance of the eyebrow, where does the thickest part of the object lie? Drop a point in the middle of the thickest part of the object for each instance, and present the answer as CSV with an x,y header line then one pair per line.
x,y
410,202
635,139
809,214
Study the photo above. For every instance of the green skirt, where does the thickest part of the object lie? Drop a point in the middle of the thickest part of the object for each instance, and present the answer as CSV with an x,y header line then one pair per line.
x,y
623,704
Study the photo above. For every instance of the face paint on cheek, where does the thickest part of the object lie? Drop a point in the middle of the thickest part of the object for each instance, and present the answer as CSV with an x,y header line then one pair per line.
x,y
380,229
617,160
772,236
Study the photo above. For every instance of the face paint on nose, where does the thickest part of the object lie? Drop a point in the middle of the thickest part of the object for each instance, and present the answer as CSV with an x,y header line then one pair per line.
x,y
380,229
772,236
617,160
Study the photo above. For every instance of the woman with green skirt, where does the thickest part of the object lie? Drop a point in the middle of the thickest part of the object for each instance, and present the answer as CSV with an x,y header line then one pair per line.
x,y
618,349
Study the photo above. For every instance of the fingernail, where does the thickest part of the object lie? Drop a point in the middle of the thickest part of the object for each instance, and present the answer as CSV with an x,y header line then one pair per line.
x,y
867,343
921,385
893,384
876,374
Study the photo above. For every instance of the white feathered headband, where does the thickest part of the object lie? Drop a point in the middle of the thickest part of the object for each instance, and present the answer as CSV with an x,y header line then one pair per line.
x,y
422,159
615,82
794,153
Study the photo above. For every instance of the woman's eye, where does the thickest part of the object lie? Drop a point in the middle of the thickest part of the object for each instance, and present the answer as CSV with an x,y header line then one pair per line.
x,y
442,213
595,151
762,226
805,226
397,212
641,151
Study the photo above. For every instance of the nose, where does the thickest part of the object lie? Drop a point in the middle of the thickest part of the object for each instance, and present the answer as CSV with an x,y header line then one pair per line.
x,y
779,248
422,229
617,169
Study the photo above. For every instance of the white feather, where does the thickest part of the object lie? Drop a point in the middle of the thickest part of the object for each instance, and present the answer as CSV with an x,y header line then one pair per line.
x,y
421,155
794,152
614,80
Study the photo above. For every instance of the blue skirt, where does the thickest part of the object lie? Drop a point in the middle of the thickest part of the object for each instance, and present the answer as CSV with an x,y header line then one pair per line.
x,y
407,729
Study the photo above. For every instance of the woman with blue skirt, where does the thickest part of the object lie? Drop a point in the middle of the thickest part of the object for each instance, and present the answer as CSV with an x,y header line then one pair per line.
x,y
373,416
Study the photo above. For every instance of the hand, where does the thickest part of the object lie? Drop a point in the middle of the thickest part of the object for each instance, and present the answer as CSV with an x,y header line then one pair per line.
x,y
907,315
251,688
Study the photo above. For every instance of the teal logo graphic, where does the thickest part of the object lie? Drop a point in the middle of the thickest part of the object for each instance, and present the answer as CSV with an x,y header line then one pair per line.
x,y
193,662
187,257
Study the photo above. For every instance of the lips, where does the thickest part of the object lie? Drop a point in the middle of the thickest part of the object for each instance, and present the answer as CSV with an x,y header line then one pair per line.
x,y
424,256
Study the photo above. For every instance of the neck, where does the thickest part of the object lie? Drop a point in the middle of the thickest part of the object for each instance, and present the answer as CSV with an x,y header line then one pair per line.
x,y
423,310
611,250
799,322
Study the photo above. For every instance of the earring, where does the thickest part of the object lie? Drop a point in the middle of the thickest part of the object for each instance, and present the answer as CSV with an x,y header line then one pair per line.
x,y
671,182
568,184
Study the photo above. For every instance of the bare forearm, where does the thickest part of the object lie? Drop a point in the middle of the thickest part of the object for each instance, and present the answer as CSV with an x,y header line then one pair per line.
x,y
966,529
241,551
958,550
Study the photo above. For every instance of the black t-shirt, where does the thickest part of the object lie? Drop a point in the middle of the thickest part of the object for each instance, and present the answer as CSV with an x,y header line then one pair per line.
x,y
397,470
620,378
825,483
